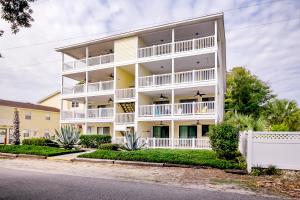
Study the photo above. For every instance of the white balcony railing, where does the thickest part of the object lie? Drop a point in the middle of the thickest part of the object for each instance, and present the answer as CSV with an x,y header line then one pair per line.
x,y
179,46
157,110
73,65
125,118
72,115
77,89
99,113
128,93
179,143
155,80
155,50
175,143
100,60
194,44
100,86
160,110
195,108
194,76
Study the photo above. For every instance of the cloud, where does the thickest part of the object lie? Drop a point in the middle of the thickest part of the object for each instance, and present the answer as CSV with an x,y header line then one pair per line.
x,y
270,51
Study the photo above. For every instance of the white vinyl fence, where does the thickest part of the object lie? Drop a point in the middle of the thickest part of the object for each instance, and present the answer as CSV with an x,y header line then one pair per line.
x,y
262,149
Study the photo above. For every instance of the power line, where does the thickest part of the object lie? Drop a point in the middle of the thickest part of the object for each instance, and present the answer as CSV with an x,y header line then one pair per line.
x,y
119,30
244,27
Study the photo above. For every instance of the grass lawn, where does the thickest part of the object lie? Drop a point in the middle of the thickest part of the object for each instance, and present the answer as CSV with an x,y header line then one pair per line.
x,y
171,156
34,150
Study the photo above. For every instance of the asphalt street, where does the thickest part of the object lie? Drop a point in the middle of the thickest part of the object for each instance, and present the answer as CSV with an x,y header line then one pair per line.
x,y
19,184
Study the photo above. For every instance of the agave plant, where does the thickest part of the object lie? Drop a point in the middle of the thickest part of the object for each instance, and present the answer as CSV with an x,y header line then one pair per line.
x,y
132,142
67,136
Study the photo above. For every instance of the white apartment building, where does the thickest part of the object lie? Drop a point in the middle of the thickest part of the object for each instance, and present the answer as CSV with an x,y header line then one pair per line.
x,y
166,81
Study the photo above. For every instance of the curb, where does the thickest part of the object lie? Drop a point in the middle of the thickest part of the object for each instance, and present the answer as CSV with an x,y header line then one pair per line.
x,y
11,155
136,163
90,160
8,155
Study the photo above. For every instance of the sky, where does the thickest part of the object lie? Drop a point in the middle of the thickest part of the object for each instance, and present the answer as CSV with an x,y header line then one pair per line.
x,y
263,36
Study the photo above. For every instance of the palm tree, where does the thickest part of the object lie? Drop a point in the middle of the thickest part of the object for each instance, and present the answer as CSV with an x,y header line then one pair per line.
x,y
16,128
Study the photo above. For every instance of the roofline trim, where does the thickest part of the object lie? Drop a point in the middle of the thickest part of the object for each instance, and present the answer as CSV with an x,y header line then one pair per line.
x,y
129,33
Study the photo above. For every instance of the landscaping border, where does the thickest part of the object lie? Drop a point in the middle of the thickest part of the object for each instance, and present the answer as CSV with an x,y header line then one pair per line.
x,y
11,155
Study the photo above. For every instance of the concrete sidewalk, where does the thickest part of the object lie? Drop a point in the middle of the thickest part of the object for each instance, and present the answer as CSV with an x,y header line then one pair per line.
x,y
69,157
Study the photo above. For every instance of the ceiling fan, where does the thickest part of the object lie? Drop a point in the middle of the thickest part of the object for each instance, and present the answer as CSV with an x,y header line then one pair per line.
x,y
162,98
199,94
197,123
111,76
161,124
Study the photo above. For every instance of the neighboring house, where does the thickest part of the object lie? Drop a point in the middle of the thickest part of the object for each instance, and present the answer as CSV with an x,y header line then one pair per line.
x,y
35,120
166,81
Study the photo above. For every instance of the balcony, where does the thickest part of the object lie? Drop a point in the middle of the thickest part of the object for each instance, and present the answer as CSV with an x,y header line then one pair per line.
x,y
101,86
74,90
156,110
74,65
75,115
179,47
125,94
125,118
180,109
186,77
155,80
92,62
100,60
194,76
100,113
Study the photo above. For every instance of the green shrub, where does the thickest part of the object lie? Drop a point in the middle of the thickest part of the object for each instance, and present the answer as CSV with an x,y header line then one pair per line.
x,y
94,141
67,136
224,139
259,171
280,127
170,156
40,142
109,146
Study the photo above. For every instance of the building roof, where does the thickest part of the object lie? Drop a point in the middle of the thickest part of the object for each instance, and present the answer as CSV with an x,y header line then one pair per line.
x,y
143,30
49,96
27,105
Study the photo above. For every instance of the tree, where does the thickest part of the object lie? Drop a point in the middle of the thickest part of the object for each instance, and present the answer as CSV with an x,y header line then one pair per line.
x,y
16,128
246,94
282,112
246,122
17,13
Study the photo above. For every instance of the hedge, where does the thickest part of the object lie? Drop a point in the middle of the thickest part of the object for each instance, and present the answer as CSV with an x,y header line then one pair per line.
x,y
94,141
40,142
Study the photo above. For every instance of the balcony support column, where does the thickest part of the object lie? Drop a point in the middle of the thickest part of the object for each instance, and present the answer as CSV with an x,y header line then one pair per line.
x,y
173,72
62,86
86,89
173,40
114,103
172,133
216,90
136,108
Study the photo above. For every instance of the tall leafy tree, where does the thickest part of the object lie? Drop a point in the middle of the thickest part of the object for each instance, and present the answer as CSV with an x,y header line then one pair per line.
x,y
246,94
17,13
16,128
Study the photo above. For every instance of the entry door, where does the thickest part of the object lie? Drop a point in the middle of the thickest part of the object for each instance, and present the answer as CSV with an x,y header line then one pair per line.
x,y
161,131
3,132
187,131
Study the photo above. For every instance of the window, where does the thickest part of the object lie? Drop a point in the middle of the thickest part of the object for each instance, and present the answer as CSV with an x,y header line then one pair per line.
x,y
28,115
89,129
205,129
48,116
161,131
35,132
103,130
26,133
75,104
187,131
